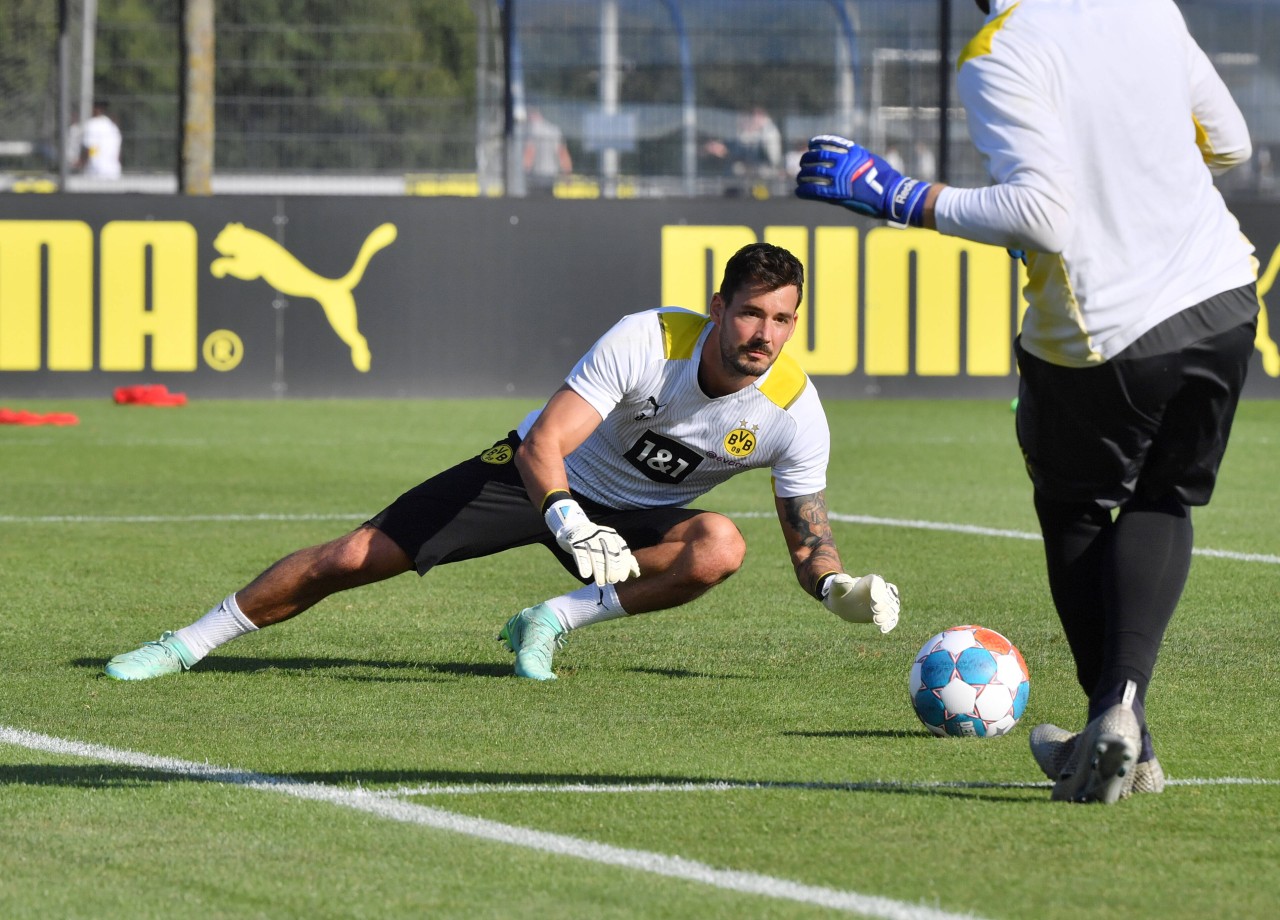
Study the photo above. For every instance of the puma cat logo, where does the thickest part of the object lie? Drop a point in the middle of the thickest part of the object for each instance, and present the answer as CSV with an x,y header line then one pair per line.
x,y
651,412
249,255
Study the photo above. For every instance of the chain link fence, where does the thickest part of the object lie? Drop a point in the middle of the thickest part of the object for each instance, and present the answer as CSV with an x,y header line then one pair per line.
x,y
34,50
617,98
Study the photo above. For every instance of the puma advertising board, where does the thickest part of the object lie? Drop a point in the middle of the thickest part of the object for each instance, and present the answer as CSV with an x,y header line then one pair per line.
x,y
311,297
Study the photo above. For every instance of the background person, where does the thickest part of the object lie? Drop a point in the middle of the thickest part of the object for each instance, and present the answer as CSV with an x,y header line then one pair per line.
x,y
1101,124
546,155
756,151
100,142
666,405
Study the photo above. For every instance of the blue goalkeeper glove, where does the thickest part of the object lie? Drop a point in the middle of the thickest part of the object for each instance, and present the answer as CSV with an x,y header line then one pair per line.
x,y
837,170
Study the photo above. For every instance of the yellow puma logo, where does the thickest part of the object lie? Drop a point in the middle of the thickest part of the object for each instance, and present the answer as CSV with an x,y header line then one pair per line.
x,y
249,255
1264,343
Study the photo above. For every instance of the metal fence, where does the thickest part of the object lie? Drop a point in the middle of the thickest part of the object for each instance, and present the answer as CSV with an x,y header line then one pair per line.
x,y
616,98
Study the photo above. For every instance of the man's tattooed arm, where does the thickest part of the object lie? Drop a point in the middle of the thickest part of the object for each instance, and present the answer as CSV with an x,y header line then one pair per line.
x,y
809,539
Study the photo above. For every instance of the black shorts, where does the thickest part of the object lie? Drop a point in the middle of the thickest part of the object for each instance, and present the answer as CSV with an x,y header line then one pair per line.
x,y
481,507
1149,426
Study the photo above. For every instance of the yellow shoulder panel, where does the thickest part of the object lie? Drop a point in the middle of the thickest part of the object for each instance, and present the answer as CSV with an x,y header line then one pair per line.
x,y
980,44
785,382
680,333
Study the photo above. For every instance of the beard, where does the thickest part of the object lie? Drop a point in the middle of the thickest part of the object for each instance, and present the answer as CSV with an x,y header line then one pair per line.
x,y
741,361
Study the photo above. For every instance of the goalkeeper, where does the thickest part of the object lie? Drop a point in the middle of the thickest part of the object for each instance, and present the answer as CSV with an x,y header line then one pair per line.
x,y
665,406
1101,125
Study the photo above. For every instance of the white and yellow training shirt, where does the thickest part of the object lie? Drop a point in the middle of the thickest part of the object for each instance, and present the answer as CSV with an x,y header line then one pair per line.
x,y
1096,119
663,441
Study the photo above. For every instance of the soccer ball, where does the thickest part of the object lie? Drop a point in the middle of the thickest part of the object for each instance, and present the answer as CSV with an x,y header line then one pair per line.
x,y
969,681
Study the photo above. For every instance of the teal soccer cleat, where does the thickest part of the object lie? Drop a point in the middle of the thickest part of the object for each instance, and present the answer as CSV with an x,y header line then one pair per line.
x,y
166,655
533,634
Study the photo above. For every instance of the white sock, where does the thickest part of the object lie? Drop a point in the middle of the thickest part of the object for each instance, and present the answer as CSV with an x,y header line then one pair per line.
x,y
588,604
221,624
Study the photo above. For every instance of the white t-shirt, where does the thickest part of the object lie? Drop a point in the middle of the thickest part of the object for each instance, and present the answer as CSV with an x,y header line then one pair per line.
x,y
663,441
1102,122
545,141
102,139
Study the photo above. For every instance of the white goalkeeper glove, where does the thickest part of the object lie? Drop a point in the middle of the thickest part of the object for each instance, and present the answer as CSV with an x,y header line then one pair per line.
x,y
599,551
869,599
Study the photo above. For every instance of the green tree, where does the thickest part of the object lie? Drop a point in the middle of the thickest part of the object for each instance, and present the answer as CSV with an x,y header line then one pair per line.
x,y
28,73
301,84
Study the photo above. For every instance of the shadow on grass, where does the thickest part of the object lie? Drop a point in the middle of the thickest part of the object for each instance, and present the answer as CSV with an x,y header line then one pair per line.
x,y
409,784
853,733
681,672
411,670
85,777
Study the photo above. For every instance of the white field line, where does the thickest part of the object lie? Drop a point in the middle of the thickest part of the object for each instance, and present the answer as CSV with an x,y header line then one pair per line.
x,y
729,786
970,529
173,518
995,532
542,841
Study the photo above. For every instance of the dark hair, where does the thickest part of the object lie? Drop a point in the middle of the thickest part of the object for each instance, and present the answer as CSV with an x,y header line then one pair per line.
x,y
761,266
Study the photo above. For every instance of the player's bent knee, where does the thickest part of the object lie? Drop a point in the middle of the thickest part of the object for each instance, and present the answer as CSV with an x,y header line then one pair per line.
x,y
718,549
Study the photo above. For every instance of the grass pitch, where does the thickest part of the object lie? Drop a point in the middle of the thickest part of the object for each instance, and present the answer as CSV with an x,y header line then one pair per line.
x,y
764,743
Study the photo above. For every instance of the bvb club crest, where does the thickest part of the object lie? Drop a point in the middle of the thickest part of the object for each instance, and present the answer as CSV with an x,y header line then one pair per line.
x,y
742,440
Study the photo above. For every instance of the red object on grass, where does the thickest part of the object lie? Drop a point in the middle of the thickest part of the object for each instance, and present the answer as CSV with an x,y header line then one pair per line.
x,y
149,394
22,417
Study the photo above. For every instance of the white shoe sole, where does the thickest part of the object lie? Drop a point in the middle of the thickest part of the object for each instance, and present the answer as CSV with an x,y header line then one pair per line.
x,y
1102,766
